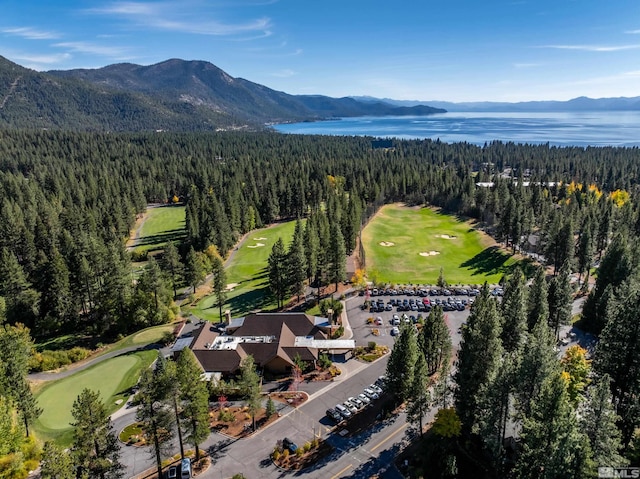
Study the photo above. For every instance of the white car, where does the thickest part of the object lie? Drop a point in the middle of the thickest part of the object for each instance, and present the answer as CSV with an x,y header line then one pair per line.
x,y
351,407
375,388
364,398
371,394
395,331
356,402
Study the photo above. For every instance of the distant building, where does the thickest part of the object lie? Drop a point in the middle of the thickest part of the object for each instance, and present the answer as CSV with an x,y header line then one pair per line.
x,y
273,339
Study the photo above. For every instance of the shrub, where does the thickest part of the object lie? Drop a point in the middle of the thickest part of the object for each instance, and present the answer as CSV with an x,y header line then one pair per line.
x,y
324,362
139,256
306,447
371,346
226,416
315,443
276,453
299,452
78,354
285,454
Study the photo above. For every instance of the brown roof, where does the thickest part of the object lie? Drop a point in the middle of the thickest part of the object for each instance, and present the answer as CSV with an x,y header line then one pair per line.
x,y
283,326
226,361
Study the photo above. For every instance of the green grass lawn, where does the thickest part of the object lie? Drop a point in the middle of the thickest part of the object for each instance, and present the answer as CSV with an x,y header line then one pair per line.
x,y
248,270
409,245
113,378
162,224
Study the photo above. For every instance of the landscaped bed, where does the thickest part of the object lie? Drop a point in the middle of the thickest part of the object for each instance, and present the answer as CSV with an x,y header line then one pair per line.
x,y
236,421
306,455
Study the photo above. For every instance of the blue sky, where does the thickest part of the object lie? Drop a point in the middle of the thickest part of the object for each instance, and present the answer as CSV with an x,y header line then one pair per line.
x,y
455,50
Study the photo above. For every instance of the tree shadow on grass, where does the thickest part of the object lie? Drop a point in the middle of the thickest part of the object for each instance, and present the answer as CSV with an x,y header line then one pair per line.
x,y
176,234
250,300
489,261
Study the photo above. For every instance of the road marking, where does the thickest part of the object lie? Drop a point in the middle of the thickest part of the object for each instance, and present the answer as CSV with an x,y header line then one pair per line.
x,y
338,474
388,437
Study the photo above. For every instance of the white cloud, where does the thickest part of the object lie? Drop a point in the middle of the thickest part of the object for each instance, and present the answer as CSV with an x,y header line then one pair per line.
x,y
42,59
95,49
633,32
173,16
594,48
30,33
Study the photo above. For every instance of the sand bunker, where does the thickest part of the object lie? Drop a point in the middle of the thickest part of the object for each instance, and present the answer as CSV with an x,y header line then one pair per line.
x,y
230,286
259,239
429,253
257,245
446,237
387,243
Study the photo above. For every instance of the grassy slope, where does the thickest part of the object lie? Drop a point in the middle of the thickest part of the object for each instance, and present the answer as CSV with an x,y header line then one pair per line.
x,y
248,269
469,258
113,378
162,224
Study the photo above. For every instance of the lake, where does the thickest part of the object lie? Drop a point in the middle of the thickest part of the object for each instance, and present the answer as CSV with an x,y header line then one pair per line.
x,y
555,128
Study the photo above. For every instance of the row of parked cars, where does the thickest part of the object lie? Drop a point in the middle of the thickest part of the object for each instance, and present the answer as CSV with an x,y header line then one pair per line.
x,y
425,305
430,291
355,404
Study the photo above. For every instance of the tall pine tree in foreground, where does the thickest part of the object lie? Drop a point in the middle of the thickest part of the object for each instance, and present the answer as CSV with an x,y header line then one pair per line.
x,y
95,444
478,359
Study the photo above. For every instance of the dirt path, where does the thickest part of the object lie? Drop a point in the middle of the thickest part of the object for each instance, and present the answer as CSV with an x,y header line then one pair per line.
x,y
134,235
12,88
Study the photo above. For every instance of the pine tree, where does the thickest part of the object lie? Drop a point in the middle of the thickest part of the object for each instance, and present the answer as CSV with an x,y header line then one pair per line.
x,y
337,256
402,361
195,396
278,272
195,270
156,418
585,254
419,397
172,265
560,300
538,362
538,301
478,358
219,282
95,444
599,425
296,262
514,313
435,341
614,269
55,463
311,248
552,445
617,356
250,386
21,299
15,350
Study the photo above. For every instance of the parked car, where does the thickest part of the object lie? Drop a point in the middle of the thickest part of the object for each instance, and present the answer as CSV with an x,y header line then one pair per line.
x,y
351,407
344,412
334,415
395,331
356,402
370,393
172,473
375,388
289,444
364,398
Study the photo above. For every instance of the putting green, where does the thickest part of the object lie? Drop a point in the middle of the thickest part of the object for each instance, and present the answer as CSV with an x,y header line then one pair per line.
x,y
409,245
113,378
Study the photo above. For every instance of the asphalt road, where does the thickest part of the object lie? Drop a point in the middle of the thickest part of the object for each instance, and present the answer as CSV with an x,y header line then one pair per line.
x,y
359,456
371,451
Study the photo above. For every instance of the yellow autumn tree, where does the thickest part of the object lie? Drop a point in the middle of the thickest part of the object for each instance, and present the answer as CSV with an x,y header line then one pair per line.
x,y
619,197
575,372
359,278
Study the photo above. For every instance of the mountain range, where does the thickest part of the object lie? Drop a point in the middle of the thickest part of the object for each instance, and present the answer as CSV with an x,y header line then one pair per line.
x,y
180,95
575,105
173,95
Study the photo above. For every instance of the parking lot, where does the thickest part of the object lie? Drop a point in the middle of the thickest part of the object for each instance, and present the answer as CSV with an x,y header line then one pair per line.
x,y
364,331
